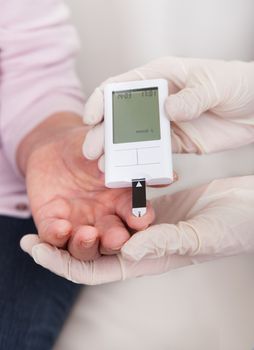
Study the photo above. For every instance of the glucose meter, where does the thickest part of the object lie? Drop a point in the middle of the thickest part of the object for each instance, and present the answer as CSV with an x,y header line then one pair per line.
x,y
137,137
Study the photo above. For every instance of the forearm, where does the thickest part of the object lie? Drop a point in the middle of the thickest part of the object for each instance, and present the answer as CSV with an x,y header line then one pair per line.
x,y
50,129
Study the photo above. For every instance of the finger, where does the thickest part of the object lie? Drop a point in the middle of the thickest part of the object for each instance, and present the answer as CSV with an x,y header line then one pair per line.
x,y
182,143
124,211
175,176
147,267
213,215
27,242
53,222
173,69
83,243
94,108
189,103
113,234
93,145
104,270
101,163
175,179
55,231
162,240
175,142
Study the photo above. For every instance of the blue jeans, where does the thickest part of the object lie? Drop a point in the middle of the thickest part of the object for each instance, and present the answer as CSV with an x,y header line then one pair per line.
x,y
34,303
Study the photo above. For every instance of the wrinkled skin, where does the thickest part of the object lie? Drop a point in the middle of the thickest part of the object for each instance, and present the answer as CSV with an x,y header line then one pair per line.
x,y
70,205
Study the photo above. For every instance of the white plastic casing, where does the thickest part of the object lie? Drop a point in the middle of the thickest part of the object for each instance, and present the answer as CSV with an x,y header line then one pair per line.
x,y
151,160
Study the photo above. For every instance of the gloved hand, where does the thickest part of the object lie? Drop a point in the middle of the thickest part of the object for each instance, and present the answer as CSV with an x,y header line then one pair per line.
x,y
225,89
192,226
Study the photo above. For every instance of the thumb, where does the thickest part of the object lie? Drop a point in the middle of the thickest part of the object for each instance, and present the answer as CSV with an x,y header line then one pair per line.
x,y
161,240
103,270
27,242
94,142
93,111
190,102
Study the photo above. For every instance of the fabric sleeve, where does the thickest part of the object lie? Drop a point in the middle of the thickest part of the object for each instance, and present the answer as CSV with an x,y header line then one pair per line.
x,y
37,61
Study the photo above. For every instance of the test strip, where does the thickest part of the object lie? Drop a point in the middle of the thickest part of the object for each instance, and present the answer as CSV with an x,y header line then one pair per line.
x,y
139,197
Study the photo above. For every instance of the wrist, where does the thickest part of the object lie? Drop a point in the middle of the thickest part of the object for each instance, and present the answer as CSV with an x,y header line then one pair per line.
x,y
46,132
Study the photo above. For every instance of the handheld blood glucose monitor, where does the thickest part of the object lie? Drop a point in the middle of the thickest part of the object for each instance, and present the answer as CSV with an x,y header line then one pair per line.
x,y
137,138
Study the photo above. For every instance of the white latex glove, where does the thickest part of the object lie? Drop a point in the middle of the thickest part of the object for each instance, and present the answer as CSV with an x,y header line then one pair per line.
x,y
192,226
225,89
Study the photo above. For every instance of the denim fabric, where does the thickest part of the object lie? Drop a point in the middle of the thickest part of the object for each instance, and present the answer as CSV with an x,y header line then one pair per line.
x,y
34,303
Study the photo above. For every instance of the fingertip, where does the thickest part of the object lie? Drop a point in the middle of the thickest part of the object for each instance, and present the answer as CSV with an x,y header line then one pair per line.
x,y
113,234
124,210
28,241
59,262
89,119
90,232
175,176
83,245
138,224
44,255
101,164
112,242
94,142
189,103
87,149
63,229
86,236
142,222
57,232
173,107
116,240
93,110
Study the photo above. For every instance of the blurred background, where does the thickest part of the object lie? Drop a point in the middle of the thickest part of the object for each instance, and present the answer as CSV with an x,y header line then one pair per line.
x,y
209,306
119,35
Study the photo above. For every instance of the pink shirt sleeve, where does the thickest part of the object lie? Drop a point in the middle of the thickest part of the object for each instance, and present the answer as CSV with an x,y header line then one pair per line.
x,y
38,50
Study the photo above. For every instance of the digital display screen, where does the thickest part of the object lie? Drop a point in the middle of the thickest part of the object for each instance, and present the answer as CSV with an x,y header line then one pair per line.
x,y
136,115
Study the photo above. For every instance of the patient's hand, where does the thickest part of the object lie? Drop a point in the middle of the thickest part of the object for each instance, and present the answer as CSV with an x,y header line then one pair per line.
x,y
70,205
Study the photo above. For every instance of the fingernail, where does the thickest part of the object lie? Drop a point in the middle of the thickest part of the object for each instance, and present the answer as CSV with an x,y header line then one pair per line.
x,y
117,249
175,177
88,244
63,234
